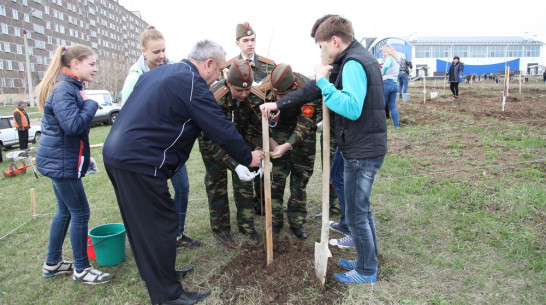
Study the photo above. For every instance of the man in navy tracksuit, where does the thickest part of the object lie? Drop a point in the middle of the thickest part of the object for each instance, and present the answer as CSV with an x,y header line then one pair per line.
x,y
151,139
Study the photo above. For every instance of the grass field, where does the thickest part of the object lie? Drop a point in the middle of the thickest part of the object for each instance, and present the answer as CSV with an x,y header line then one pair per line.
x,y
459,206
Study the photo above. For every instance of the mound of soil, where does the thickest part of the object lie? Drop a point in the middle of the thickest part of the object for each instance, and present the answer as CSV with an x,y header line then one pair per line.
x,y
290,275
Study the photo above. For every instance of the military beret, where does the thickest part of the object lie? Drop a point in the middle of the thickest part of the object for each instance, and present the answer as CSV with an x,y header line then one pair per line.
x,y
243,29
240,74
282,77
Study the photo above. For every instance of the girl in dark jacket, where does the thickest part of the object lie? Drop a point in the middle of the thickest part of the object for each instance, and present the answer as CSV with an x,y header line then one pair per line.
x,y
64,155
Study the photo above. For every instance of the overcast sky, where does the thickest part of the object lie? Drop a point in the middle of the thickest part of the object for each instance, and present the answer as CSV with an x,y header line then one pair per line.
x,y
282,27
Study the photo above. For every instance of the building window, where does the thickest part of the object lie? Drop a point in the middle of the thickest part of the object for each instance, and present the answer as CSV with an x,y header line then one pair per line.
x,y
38,28
46,10
37,14
17,32
8,65
5,28
25,2
26,17
11,83
48,25
2,10
7,47
461,51
15,14
21,66
3,83
1,64
40,44
19,49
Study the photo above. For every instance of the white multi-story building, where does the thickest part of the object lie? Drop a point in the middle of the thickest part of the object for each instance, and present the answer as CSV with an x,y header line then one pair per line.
x,y
104,25
433,55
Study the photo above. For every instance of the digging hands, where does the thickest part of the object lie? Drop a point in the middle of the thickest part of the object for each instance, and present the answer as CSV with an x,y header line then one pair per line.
x,y
322,71
280,150
267,108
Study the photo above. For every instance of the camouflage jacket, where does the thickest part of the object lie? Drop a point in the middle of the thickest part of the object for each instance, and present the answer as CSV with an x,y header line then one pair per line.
x,y
300,123
261,67
246,117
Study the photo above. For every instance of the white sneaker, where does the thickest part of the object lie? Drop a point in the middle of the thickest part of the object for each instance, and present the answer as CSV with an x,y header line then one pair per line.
x,y
91,276
345,242
60,268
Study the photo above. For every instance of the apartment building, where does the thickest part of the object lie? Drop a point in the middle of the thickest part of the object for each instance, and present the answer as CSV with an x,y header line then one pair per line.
x,y
104,25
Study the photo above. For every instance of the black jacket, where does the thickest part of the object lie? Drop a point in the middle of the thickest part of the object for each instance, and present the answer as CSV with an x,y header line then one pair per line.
x,y
366,137
155,130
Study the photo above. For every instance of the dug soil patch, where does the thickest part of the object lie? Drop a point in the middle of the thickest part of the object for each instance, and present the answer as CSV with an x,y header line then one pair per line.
x,y
290,279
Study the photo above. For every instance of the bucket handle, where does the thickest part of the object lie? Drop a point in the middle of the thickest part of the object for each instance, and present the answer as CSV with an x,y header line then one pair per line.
x,y
92,245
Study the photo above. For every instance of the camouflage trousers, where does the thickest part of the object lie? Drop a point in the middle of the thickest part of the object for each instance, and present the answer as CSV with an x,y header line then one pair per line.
x,y
298,163
217,192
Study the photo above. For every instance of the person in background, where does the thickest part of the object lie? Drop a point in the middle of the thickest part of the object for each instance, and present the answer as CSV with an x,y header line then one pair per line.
x,y
455,74
167,110
544,76
355,94
403,76
22,123
390,71
245,39
64,157
153,55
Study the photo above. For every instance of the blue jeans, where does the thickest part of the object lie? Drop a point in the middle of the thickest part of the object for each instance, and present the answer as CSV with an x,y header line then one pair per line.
x,y
73,209
403,82
390,99
181,185
336,176
359,177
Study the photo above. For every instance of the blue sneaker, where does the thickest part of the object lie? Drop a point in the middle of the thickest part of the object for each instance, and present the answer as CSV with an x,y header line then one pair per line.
x,y
353,277
337,227
347,264
345,242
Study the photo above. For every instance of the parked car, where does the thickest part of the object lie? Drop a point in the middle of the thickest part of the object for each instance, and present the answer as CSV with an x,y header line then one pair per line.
x,y
108,111
10,137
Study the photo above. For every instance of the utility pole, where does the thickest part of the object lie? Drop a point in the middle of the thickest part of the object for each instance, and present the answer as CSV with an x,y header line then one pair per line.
x,y
29,79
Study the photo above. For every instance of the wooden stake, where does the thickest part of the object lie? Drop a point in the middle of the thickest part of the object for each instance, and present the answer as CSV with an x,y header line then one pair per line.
x,y
424,85
519,82
507,80
267,191
322,253
33,203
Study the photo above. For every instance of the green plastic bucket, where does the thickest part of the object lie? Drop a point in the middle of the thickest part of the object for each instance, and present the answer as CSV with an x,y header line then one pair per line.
x,y
109,243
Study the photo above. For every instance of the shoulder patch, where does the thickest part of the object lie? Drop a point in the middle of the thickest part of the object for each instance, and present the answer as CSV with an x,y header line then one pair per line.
x,y
257,92
266,60
228,63
221,92
264,86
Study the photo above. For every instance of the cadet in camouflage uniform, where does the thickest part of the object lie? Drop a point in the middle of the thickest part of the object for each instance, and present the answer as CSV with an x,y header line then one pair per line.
x,y
246,41
232,96
293,146
245,38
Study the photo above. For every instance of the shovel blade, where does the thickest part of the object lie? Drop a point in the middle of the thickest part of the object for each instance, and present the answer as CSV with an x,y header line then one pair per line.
x,y
322,253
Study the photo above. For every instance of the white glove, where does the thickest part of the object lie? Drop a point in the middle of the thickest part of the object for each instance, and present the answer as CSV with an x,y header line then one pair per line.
x,y
319,126
244,173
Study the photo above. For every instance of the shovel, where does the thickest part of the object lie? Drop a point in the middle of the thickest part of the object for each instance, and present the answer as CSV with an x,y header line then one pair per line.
x,y
322,253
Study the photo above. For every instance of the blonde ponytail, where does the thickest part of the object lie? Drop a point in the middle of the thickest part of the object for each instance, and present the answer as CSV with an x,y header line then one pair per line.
x,y
61,59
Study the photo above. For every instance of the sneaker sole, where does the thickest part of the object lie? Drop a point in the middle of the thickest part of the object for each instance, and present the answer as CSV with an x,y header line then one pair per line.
x,y
50,275
90,283
339,231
